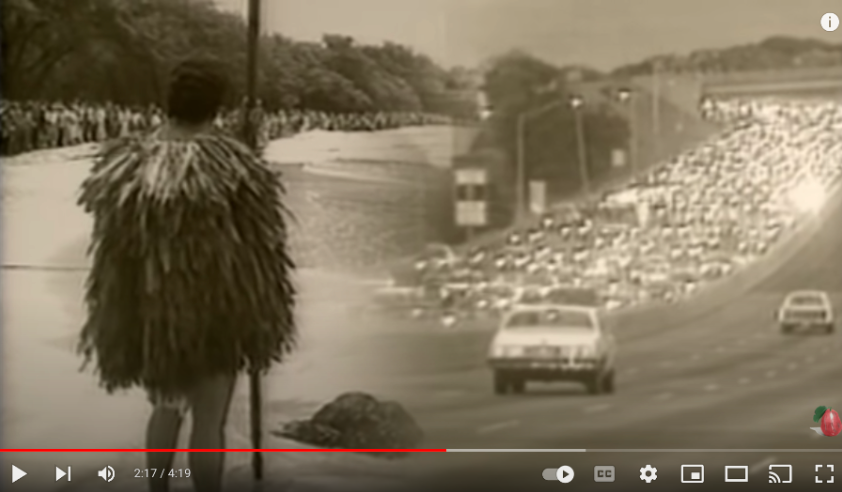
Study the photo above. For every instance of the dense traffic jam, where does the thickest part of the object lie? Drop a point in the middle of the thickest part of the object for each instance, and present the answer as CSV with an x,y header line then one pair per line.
x,y
688,222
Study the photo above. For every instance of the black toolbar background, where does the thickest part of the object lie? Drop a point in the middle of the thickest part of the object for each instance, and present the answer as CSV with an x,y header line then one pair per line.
x,y
492,472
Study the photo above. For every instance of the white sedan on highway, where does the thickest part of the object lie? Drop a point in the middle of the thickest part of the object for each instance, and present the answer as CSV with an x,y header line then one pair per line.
x,y
552,342
806,309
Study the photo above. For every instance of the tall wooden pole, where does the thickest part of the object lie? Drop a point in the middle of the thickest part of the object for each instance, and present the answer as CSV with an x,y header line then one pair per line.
x,y
520,177
251,130
584,174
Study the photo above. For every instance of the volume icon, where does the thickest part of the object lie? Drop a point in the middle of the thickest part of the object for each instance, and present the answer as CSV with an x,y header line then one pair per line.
x,y
106,474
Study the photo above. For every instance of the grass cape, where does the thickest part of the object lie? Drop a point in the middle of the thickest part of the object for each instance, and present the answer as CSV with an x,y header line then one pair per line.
x,y
191,276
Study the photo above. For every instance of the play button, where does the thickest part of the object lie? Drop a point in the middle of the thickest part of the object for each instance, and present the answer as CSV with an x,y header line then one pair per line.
x,y
17,474
565,474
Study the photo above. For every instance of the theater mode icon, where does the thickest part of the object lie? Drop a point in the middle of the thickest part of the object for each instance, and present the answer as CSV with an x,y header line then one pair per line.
x,y
734,474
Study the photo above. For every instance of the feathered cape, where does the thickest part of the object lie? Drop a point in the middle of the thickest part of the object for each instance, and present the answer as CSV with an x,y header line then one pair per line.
x,y
191,276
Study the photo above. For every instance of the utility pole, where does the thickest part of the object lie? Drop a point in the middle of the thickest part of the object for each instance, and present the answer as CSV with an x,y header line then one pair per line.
x,y
656,107
520,143
520,179
584,176
251,130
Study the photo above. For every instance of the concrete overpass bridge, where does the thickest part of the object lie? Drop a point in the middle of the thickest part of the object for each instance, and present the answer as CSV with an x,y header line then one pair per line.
x,y
814,81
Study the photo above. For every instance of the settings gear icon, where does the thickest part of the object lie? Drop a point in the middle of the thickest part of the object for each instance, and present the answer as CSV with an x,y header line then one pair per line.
x,y
648,473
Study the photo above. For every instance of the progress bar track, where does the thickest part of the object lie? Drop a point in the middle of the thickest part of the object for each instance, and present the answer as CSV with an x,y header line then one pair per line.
x,y
644,451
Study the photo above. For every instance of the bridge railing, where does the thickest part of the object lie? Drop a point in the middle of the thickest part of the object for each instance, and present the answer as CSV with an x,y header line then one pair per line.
x,y
787,75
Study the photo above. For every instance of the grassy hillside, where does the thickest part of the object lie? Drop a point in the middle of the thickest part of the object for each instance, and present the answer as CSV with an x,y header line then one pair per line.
x,y
363,199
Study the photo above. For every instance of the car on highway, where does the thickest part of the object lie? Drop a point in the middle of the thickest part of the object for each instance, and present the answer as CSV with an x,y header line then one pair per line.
x,y
549,343
806,309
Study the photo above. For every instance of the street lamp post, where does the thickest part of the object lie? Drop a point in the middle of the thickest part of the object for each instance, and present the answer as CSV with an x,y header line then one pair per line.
x,y
626,97
520,137
656,107
576,103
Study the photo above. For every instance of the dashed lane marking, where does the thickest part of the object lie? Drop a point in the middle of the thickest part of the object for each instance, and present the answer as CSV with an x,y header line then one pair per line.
x,y
508,424
453,393
597,408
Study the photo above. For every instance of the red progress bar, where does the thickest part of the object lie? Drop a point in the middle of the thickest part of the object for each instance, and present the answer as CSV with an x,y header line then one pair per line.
x,y
85,450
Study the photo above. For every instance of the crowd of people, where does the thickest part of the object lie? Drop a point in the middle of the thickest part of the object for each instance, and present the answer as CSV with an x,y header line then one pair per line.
x,y
35,125
686,223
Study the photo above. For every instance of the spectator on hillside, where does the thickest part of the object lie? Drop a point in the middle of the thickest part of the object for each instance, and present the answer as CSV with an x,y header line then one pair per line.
x,y
35,125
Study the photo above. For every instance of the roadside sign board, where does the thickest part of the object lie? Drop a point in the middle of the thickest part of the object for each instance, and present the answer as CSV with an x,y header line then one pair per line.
x,y
618,158
471,177
470,210
471,214
538,197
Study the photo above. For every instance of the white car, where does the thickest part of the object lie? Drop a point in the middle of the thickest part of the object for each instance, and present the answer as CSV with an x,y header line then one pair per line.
x,y
806,309
552,342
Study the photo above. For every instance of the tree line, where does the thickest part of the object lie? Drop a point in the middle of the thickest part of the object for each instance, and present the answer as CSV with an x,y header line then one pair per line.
x,y
516,84
122,52
773,53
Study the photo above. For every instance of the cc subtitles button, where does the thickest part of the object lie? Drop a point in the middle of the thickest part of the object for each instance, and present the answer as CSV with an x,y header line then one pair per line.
x,y
563,474
603,474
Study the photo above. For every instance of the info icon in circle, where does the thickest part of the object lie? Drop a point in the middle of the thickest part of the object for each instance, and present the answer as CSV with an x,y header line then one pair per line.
x,y
830,22
565,474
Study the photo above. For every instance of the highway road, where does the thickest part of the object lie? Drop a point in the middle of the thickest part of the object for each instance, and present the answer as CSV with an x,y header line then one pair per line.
x,y
726,379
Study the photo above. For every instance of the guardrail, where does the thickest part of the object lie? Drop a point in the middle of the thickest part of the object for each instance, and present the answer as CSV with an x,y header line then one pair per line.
x,y
789,86
793,75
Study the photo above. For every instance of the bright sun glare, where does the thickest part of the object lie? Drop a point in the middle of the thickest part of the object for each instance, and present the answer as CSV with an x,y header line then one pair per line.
x,y
808,196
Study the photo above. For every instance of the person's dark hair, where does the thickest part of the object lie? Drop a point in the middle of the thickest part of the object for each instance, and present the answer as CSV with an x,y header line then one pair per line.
x,y
196,92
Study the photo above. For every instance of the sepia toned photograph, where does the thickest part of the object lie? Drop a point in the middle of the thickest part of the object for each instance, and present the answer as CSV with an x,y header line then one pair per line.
x,y
365,245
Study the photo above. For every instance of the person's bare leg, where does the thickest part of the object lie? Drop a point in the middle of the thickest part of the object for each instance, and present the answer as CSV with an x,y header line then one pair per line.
x,y
209,404
162,433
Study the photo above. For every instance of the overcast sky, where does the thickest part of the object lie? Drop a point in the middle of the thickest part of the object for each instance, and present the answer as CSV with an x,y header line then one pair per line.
x,y
599,33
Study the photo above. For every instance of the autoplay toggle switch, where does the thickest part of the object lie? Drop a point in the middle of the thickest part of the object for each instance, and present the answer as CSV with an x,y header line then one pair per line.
x,y
563,474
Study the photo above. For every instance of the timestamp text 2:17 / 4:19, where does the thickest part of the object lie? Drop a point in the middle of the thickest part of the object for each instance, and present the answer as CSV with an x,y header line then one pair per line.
x,y
161,473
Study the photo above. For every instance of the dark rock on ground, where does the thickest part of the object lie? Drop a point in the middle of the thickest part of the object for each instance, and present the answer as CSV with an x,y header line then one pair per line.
x,y
358,421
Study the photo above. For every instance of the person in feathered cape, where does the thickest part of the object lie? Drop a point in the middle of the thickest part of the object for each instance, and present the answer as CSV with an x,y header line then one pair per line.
x,y
191,278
